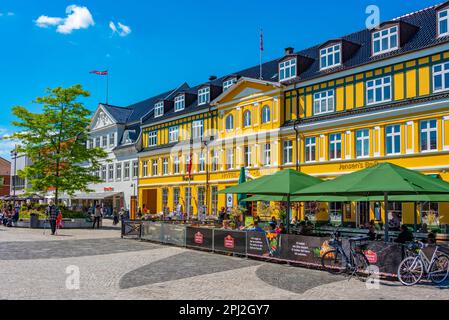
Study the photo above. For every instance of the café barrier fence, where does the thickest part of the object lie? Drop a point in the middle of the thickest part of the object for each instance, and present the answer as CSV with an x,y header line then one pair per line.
x,y
295,249
131,229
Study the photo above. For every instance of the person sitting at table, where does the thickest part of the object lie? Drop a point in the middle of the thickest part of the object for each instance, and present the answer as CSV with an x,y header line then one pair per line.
x,y
256,228
432,239
281,229
372,233
405,235
273,222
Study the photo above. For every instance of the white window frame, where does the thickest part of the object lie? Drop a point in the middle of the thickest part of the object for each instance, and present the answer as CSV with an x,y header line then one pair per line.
x,y
215,160
173,134
266,114
159,109
324,102
180,103
197,129
145,168
267,154
118,171
372,85
229,83
444,71
247,156
203,96
202,162
104,173
97,142
111,169
362,139
335,142
388,36
176,165
288,67
247,119
309,144
165,167
104,141
229,122
154,168
230,159
328,53
112,140
393,135
152,139
127,171
428,132
135,169
443,19
287,150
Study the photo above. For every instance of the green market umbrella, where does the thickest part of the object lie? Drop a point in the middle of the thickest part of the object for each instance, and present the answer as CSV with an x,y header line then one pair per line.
x,y
283,183
242,180
303,199
385,180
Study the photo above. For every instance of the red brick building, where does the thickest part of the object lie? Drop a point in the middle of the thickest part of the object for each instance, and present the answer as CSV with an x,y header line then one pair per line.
x,y
5,177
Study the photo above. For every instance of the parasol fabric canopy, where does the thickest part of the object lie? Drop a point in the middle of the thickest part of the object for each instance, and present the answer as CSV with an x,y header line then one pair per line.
x,y
379,180
304,199
283,183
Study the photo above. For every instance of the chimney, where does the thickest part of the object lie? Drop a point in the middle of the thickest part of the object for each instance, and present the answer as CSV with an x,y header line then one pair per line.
x,y
212,78
289,51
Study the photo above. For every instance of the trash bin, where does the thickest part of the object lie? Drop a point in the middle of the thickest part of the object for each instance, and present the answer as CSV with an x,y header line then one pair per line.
x,y
34,221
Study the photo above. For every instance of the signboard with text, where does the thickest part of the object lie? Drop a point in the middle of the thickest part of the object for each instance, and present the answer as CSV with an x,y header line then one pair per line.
x,y
199,238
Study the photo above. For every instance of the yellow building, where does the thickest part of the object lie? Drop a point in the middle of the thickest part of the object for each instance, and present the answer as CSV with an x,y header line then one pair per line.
x,y
373,96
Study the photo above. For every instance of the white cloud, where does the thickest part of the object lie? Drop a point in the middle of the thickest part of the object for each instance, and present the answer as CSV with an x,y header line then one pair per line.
x,y
10,14
6,146
121,29
7,14
77,18
45,22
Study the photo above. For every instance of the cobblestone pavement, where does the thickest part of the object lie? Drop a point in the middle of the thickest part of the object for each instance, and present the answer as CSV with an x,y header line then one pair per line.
x,y
112,268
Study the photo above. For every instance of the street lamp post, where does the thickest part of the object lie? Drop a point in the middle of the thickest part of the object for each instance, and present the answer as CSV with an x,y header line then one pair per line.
x,y
14,176
135,199
206,144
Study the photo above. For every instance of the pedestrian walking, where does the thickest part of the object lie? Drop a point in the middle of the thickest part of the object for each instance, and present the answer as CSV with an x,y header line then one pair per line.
x,y
52,213
97,217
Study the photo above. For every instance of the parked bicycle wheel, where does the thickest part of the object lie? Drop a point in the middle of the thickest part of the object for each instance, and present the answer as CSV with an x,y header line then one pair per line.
x,y
439,270
332,261
410,271
361,263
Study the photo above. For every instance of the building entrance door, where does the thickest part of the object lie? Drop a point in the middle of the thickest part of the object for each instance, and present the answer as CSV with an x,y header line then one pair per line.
x,y
362,214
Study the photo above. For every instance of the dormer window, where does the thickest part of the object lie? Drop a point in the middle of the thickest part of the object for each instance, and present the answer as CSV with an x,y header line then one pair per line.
x,y
385,40
330,57
287,69
203,96
229,83
180,103
443,23
159,109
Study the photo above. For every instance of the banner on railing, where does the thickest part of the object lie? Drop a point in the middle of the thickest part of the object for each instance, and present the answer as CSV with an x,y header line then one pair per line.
x,y
173,234
152,231
201,238
230,241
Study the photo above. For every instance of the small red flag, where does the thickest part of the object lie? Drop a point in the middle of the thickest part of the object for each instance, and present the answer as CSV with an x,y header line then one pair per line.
x,y
190,166
99,73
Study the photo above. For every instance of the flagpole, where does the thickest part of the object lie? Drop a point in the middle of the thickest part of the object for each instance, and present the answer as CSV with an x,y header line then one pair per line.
x,y
261,53
107,88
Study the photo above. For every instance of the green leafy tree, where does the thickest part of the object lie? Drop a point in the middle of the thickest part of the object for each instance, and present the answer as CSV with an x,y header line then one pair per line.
x,y
55,142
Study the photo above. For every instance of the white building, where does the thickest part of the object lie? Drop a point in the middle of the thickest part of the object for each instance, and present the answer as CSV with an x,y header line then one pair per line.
x,y
117,131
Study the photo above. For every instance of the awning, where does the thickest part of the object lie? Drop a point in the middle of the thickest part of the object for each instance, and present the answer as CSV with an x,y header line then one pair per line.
x,y
95,196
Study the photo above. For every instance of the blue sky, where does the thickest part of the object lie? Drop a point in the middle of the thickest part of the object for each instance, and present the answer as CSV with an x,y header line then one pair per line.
x,y
156,46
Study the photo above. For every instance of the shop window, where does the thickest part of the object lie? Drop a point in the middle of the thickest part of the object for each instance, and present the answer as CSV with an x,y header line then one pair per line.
x,y
310,210
201,200
164,199
336,213
430,214
395,215
214,197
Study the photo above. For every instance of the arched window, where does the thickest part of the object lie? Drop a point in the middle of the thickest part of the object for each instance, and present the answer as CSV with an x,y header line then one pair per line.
x,y
230,122
266,114
247,119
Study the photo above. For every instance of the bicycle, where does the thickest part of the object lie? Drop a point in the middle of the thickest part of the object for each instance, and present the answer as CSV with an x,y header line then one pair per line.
x,y
413,268
336,261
